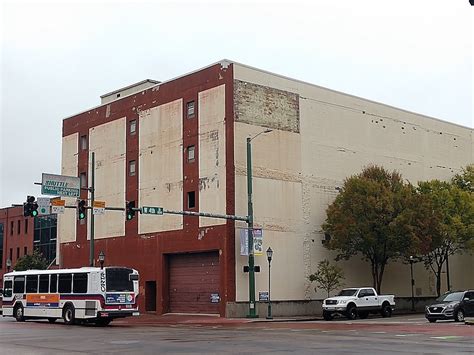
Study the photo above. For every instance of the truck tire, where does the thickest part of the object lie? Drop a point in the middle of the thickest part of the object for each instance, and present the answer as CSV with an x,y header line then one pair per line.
x,y
386,310
69,314
351,312
19,313
327,316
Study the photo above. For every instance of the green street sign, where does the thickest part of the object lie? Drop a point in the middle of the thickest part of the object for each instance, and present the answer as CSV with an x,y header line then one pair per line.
x,y
152,210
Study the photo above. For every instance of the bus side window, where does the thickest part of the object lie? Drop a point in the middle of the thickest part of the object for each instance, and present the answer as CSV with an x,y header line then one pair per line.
x,y
53,287
43,283
19,284
65,281
32,284
7,289
80,283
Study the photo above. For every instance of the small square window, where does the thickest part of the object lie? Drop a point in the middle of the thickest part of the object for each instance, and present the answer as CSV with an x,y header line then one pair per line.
x,y
191,199
133,127
190,109
83,142
131,167
83,178
190,150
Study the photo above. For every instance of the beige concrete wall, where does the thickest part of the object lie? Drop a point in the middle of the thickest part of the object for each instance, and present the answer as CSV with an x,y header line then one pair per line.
x,y
126,92
338,136
160,165
212,154
108,143
67,221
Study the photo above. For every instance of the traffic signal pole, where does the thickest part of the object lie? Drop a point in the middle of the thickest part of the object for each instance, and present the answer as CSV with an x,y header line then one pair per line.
x,y
92,193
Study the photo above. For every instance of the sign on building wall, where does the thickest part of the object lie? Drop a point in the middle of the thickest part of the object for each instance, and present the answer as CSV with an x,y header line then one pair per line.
x,y
43,205
60,185
257,242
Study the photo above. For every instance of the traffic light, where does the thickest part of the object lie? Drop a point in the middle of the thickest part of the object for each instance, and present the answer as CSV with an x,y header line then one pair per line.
x,y
30,207
81,209
130,210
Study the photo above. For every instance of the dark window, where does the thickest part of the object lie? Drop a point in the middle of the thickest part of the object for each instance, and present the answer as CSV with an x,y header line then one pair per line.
x,y
53,284
7,290
133,127
11,254
11,227
19,227
1,245
80,283
83,142
44,236
118,280
19,284
43,283
32,284
190,109
131,167
25,251
190,150
17,253
369,292
26,226
191,199
65,283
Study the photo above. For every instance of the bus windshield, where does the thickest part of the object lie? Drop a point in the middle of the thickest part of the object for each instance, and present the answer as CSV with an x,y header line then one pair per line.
x,y
118,280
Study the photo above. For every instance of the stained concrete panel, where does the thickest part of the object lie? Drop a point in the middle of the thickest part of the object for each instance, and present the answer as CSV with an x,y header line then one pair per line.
x,y
108,142
212,155
160,166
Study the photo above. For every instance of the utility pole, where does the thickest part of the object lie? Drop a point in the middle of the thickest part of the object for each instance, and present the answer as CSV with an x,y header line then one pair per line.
x,y
92,190
252,310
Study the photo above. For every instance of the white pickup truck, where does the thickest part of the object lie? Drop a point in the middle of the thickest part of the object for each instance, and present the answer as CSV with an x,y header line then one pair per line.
x,y
353,302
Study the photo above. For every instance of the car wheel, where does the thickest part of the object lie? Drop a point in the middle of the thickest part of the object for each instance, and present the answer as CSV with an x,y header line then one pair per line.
x,y
19,313
351,312
459,316
69,314
431,320
327,316
363,315
386,311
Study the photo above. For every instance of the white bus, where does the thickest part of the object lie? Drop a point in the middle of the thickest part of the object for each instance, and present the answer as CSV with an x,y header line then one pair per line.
x,y
87,294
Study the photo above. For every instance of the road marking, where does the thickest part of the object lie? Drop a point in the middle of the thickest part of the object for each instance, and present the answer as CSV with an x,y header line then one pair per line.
x,y
447,337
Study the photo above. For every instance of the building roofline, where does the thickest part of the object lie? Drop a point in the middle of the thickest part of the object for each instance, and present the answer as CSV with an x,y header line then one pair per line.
x,y
226,62
130,86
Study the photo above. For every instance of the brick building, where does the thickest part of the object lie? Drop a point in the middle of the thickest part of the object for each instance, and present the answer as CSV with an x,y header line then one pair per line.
x,y
180,144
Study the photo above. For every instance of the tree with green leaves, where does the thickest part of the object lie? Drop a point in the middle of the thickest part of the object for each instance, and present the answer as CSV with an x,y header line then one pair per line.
x,y
367,218
328,277
34,261
453,209
465,179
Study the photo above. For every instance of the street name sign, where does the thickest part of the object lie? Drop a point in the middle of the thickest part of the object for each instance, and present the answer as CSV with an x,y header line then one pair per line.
x,y
98,208
43,205
57,206
69,186
152,210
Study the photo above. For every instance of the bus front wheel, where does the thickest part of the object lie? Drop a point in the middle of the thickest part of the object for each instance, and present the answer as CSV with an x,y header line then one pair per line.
x,y
69,314
19,313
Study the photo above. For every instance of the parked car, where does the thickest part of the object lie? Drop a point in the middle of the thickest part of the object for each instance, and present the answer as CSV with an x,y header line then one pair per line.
x,y
353,302
452,305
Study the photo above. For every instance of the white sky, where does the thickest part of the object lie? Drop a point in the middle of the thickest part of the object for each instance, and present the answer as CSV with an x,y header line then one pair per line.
x,y
57,58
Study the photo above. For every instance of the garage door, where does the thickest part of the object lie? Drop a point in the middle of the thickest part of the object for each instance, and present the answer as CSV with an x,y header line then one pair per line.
x,y
194,283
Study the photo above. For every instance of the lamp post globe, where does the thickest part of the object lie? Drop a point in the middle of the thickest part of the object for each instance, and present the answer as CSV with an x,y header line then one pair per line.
x,y
8,264
101,259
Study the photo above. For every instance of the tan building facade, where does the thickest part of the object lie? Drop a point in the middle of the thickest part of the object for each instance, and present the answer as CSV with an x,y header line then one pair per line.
x,y
187,151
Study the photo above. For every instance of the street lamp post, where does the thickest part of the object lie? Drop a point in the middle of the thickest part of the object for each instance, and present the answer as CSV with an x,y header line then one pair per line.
x,y
252,309
101,259
269,257
8,264
412,259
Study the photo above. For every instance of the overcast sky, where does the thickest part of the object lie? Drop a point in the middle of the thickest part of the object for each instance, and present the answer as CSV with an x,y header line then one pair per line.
x,y
57,58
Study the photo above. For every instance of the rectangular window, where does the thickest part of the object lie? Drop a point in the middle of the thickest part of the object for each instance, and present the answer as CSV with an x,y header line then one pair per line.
x,y
32,284
64,285
12,225
190,109
190,150
83,179
80,283
26,226
191,199
131,167
11,254
25,251
17,253
19,227
19,284
7,291
43,283
1,245
53,286
83,142
133,127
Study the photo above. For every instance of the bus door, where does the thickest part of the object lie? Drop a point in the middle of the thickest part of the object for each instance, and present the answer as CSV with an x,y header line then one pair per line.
x,y
8,297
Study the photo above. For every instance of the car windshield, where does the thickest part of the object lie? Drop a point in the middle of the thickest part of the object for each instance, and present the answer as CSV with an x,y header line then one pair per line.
x,y
450,297
348,292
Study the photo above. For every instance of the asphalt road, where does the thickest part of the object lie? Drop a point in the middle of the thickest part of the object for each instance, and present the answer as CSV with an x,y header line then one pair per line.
x,y
398,335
